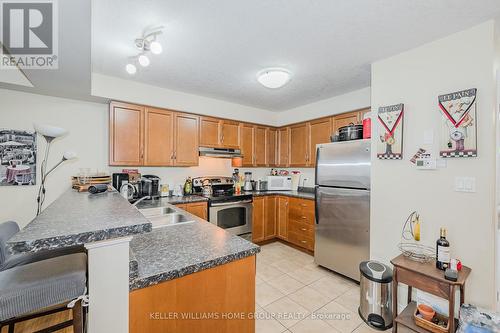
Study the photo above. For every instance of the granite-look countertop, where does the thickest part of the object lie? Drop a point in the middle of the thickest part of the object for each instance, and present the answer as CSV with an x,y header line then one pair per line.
x,y
79,218
173,251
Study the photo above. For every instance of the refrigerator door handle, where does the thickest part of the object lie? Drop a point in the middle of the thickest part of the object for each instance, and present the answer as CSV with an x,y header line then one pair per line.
x,y
316,202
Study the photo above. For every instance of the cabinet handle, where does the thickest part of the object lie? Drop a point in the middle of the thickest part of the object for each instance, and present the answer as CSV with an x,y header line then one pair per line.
x,y
303,241
303,229
303,217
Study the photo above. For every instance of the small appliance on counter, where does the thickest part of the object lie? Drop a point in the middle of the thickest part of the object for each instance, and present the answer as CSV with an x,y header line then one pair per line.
x,y
261,185
351,132
118,179
248,182
375,286
150,186
279,183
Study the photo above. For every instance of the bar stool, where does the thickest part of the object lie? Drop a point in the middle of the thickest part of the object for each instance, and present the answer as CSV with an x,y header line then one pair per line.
x,y
31,283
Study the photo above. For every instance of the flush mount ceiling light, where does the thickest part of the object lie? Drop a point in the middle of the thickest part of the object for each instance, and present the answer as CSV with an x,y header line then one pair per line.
x,y
147,43
273,78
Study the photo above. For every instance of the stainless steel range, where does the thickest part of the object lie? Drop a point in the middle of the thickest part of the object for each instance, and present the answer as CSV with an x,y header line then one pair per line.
x,y
226,209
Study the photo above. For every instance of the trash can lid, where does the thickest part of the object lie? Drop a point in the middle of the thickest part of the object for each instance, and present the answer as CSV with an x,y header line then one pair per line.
x,y
376,271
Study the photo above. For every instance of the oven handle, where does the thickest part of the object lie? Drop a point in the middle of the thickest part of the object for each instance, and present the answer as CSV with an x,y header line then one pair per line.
x,y
230,203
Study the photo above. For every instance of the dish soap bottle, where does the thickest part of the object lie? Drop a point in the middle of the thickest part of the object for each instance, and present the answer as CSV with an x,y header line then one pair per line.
x,y
442,250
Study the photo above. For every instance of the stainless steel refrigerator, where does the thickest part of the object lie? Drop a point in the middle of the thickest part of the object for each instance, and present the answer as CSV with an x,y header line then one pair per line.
x,y
343,206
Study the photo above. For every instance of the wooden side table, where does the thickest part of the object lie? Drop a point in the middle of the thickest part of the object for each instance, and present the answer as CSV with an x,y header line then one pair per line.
x,y
425,277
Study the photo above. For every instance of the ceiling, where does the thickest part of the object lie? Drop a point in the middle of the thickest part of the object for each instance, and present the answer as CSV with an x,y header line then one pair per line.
x,y
73,77
215,48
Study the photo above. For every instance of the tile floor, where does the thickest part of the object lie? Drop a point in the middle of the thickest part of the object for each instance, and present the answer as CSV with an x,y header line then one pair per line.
x,y
294,295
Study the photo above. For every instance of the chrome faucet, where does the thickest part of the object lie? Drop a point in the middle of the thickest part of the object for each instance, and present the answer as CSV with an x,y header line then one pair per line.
x,y
141,199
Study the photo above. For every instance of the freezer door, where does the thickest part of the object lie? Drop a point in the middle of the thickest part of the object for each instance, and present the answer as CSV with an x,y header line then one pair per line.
x,y
344,164
342,229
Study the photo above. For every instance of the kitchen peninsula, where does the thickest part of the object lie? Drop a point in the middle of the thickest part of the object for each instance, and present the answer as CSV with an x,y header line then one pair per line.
x,y
157,263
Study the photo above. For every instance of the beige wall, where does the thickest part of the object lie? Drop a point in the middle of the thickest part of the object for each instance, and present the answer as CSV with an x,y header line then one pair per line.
x,y
87,126
415,78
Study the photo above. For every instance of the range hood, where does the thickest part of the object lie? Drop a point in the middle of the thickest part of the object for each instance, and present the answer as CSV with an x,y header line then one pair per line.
x,y
220,152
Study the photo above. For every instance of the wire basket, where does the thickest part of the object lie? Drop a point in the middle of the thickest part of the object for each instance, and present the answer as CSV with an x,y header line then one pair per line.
x,y
417,252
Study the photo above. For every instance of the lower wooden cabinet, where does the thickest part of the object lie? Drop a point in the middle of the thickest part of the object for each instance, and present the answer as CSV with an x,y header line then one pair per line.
x,y
199,209
289,219
258,219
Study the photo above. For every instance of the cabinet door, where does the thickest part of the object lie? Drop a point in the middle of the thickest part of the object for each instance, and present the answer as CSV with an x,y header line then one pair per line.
x,y
126,134
258,219
271,147
345,119
198,209
270,218
186,140
209,132
320,131
247,144
283,147
282,218
260,146
230,134
299,145
158,137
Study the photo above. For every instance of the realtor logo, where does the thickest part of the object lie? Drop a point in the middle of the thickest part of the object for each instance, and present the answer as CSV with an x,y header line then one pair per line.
x,y
28,34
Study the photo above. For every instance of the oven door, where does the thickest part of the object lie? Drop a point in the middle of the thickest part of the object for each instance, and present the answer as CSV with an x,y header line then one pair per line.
x,y
234,217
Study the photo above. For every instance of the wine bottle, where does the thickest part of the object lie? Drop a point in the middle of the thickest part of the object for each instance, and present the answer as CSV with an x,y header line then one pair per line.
x,y
442,250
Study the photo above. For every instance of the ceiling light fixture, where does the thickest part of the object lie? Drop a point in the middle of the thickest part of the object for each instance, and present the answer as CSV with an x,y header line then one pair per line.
x,y
143,60
131,69
156,47
273,78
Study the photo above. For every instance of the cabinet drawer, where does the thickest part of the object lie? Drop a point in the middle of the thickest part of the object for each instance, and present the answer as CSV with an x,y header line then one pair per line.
x,y
302,228
302,203
301,215
301,240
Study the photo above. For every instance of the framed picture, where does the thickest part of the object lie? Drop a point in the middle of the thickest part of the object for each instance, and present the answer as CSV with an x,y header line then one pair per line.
x,y
458,134
17,157
390,142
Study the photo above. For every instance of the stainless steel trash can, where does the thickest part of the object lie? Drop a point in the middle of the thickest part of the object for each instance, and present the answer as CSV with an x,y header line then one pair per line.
x,y
375,301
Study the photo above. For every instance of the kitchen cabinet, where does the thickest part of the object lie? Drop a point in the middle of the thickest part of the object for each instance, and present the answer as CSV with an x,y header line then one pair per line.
x,y
282,218
219,133
230,134
301,222
126,131
345,119
258,219
199,209
271,147
299,145
247,144
158,137
319,132
283,147
209,132
186,140
270,217
260,146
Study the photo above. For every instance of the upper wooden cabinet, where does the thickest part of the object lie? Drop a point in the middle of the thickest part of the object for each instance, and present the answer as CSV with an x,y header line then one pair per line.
x,y
126,134
271,147
345,119
144,136
260,146
319,131
230,134
299,145
158,136
219,133
283,147
186,141
209,132
247,138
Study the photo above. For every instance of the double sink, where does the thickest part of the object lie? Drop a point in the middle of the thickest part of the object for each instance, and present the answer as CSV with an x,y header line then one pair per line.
x,y
164,216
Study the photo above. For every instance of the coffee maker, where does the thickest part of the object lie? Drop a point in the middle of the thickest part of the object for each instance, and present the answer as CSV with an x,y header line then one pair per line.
x,y
150,186
247,186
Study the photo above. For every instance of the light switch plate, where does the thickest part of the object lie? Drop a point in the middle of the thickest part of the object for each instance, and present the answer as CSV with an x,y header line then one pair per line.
x,y
428,137
465,184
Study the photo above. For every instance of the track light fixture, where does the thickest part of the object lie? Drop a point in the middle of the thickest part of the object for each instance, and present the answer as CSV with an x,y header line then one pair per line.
x,y
147,43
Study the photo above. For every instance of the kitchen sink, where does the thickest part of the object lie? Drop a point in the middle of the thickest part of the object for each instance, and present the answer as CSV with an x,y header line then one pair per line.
x,y
164,216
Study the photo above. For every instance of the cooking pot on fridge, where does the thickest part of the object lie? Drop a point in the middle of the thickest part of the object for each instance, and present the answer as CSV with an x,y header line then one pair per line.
x,y
351,132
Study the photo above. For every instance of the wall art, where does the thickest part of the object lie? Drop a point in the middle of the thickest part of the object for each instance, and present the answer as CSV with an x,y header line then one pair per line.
x,y
390,143
458,137
17,157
